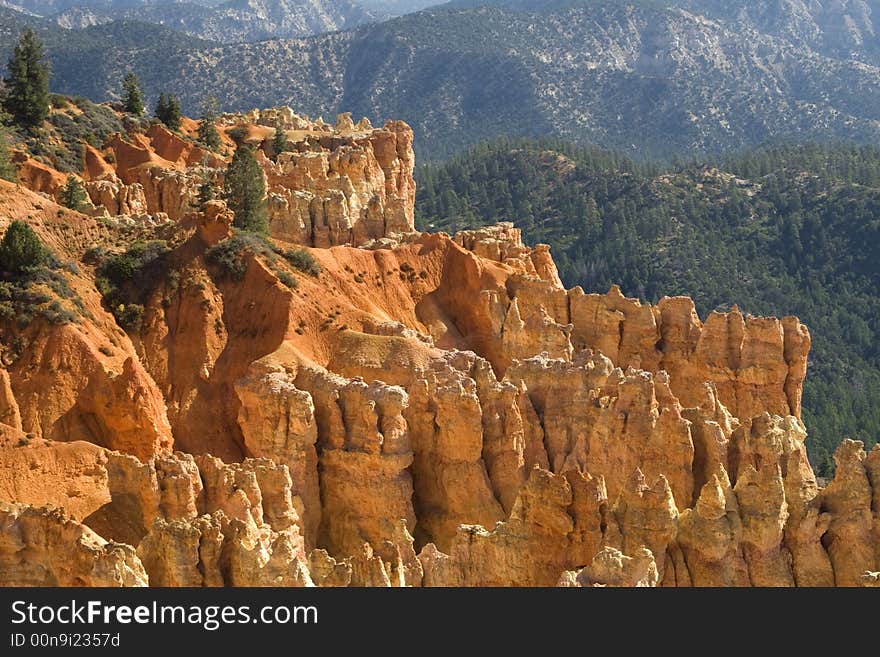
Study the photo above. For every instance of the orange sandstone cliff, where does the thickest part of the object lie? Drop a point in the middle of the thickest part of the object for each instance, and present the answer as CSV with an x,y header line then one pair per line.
x,y
424,410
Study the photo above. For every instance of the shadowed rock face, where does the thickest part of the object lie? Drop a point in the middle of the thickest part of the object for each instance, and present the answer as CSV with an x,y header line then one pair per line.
x,y
431,411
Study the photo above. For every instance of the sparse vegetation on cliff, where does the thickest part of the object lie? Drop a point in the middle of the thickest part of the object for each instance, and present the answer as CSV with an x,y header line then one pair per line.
x,y
71,125
125,280
302,260
230,255
32,283
8,170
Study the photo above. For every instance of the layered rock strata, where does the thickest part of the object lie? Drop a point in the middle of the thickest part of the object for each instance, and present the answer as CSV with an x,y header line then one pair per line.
x,y
436,412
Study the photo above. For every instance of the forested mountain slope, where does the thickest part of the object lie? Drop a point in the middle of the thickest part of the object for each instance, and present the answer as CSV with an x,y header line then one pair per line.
x,y
778,231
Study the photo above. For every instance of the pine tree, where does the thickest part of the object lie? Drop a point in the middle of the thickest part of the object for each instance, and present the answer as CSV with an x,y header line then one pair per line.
x,y
20,249
279,141
168,111
73,195
208,135
8,170
27,97
132,99
246,191
207,192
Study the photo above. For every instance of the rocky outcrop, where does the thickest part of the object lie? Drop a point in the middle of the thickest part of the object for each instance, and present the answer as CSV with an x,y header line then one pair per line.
x,y
849,540
611,567
68,475
68,390
503,243
200,522
529,549
756,364
278,422
45,547
343,189
365,455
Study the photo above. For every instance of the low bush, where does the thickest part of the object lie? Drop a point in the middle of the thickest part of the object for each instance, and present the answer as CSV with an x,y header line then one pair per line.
x,y
302,260
125,279
230,255
287,279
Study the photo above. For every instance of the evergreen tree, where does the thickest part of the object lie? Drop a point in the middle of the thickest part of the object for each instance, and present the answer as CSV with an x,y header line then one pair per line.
x,y
246,191
207,192
20,249
132,99
168,111
208,135
27,97
279,141
8,170
73,195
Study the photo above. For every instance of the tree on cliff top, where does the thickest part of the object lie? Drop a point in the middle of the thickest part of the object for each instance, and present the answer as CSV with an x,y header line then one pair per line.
x,y
168,111
132,99
73,195
279,141
245,190
207,192
208,135
27,87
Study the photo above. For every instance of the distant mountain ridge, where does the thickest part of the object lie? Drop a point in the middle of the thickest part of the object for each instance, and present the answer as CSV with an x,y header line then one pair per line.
x,y
230,21
650,78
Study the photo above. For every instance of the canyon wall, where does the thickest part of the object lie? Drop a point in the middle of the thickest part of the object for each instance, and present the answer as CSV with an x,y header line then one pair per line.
x,y
349,184
432,410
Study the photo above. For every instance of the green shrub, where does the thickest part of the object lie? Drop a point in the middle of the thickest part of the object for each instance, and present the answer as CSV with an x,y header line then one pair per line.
x,y
26,95
237,134
168,111
287,279
302,260
125,279
209,137
39,292
130,316
95,255
140,256
58,101
8,170
58,314
132,97
21,249
245,191
230,255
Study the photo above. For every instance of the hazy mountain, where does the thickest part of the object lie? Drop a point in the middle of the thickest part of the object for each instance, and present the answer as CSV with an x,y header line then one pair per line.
x,y
398,7
228,22
650,78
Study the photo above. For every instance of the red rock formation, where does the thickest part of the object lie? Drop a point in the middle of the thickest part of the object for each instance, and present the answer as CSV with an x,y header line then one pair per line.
x,y
424,411
343,190
45,547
